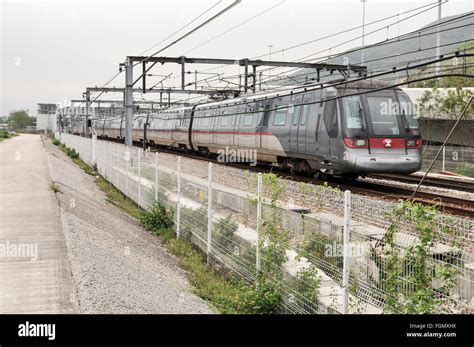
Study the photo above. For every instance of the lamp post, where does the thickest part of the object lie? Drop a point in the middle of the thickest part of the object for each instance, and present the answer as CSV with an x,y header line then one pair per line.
x,y
363,30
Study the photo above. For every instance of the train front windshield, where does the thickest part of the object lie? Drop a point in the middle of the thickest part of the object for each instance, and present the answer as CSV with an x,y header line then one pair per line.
x,y
385,115
355,120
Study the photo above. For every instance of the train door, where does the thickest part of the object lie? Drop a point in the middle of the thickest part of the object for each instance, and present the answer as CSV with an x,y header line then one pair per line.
x,y
262,127
386,126
303,132
333,130
295,114
248,123
323,135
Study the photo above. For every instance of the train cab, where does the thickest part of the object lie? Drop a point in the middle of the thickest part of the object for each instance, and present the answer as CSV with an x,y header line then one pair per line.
x,y
379,131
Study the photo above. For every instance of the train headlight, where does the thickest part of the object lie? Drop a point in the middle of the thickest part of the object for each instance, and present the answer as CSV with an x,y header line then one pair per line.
x,y
355,143
414,143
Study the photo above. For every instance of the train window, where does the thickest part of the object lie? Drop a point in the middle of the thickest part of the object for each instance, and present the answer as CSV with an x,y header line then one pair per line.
x,y
248,119
384,121
354,114
296,115
224,120
280,115
205,120
408,110
305,114
330,118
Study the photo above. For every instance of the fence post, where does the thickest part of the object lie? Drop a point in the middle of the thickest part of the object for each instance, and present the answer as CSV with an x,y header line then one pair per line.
x,y
178,200
346,239
139,164
156,176
118,173
259,220
209,212
94,138
444,158
127,161
109,174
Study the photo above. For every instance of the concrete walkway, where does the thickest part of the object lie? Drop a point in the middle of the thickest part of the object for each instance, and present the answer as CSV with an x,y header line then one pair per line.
x,y
35,275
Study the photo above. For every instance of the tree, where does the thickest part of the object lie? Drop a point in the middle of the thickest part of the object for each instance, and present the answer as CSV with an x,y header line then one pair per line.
x,y
448,104
436,104
20,119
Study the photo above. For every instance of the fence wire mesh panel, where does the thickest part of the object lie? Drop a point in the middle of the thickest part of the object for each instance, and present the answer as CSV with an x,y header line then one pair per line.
x,y
457,159
289,235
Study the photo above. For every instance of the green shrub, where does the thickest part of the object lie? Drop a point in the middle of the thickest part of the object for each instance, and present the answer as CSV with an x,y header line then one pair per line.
x,y
157,219
56,142
55,187
466,170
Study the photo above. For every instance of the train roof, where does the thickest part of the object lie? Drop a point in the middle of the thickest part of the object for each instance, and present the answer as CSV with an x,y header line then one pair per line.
x,y
363,84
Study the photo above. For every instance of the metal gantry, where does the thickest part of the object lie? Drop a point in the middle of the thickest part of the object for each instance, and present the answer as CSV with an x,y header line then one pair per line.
x,y
148,62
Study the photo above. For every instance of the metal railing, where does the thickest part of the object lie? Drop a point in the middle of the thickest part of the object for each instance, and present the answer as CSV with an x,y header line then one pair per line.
x,y
319,246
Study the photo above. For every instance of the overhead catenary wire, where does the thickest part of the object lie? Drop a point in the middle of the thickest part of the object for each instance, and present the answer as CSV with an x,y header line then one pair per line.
x,y
263,81
236,2
354,39
382,43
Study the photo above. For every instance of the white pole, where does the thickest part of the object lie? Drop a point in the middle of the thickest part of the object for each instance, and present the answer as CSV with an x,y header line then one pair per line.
x,y
139,176
117,176
209,212
444,158
345,266
178,202
93,149
156,176
109,175
127,161
259,220
438,38
363,31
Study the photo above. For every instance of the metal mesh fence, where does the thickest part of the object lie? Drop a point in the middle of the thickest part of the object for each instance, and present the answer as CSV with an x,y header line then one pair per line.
x,y
456,159
322,253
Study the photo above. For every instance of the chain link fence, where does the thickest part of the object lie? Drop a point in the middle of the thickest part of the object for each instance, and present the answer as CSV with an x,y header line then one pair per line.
x,y
325,250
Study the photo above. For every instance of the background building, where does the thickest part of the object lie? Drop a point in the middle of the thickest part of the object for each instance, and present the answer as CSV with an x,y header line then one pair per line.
x,y
46,117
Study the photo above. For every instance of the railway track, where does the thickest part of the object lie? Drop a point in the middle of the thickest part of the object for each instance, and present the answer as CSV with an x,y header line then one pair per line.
x,y
446,203
428,181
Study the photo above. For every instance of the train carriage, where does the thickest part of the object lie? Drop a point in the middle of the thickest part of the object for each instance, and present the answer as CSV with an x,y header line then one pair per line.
x,y
353,129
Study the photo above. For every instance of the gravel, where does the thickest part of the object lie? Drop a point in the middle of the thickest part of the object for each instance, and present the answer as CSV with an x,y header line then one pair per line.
x,y
117,266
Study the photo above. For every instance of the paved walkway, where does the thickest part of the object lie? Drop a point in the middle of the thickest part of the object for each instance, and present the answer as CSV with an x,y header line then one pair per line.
x,y
35,275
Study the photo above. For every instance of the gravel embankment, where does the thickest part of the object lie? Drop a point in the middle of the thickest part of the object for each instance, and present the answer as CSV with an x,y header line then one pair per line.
x,y
117,266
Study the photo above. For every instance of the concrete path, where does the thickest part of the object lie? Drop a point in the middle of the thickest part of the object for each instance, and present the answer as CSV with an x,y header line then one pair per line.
x,y
35,275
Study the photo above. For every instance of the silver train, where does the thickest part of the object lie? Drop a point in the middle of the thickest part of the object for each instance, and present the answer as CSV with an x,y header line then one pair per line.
x,y
350,130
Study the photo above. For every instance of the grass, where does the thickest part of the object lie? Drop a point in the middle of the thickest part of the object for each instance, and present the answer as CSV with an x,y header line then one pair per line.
x,y
55,187
226,293
466,170
117,198
6,135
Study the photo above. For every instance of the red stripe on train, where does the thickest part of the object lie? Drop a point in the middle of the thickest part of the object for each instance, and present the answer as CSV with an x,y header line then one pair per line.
x,y
210,132
387,142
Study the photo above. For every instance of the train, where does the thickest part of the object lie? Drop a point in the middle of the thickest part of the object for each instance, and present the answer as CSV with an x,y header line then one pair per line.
x,y
349,130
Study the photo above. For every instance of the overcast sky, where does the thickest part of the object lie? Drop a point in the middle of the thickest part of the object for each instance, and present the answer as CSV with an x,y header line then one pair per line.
x,y
52,51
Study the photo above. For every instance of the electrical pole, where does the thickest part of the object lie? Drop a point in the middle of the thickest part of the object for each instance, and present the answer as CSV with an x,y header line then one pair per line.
x,y
270,59
438,38
128,102
88,105
363,31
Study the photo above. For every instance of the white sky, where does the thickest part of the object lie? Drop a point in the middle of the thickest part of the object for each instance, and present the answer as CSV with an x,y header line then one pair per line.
x,y
52,51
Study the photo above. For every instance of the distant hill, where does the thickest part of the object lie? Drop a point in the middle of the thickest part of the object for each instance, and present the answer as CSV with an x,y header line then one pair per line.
x,y
384,56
